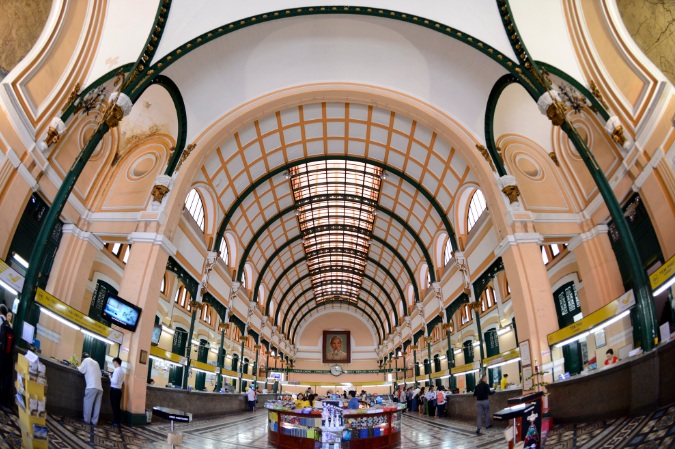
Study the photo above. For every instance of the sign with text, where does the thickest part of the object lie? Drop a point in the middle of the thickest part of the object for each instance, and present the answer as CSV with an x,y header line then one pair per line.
x,y
614,308
62,309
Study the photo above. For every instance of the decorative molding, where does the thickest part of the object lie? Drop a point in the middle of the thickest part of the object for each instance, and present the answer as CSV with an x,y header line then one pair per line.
x,y
649,168
70,228
155,239
577,240
517,239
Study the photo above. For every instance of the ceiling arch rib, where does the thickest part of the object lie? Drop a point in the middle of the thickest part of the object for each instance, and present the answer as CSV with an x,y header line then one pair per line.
x,y
390,277
302,301
307,276
386,245
344,308
442,170
312,251
309,289
415,213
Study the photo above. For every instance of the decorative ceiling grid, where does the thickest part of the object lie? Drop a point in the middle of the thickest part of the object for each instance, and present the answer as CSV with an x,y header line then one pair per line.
x,y
335,201
441,152
393,233
335,128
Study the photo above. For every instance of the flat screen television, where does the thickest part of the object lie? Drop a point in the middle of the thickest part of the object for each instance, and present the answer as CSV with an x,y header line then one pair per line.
x,y
121,313
156,334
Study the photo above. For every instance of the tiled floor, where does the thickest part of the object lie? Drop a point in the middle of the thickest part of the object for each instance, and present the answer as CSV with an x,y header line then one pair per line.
x,y
656,430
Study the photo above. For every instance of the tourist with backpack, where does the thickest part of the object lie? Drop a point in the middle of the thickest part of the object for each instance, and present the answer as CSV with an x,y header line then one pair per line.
x,y
6,358
440,402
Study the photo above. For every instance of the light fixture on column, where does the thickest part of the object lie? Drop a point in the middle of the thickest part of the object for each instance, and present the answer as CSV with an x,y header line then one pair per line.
x,y
20,260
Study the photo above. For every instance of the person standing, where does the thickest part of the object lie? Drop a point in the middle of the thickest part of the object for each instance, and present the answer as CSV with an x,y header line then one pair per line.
x,y
93,391
251,396
482,393
6,358
116,382
431,401
440,402
505,382
353,402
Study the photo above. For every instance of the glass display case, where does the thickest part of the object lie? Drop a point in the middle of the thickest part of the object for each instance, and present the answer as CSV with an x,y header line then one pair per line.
x,y
371,429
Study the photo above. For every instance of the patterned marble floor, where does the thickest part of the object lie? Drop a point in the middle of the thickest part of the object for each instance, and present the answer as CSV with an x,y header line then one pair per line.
x,y
656,430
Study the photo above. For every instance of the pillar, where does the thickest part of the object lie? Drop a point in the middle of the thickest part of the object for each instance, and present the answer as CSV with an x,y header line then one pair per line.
x,y
140,285
598,269
68,281
531,294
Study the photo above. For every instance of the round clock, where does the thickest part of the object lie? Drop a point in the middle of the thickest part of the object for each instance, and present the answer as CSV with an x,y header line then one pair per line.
x,y
336,370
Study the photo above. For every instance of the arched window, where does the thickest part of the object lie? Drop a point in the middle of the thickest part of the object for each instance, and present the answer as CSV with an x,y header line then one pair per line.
x,y
243,280
194,205
428,279
447,254
476,208
162,287
224,252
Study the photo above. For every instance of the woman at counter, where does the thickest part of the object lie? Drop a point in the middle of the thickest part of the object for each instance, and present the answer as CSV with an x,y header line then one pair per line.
x,y
301,402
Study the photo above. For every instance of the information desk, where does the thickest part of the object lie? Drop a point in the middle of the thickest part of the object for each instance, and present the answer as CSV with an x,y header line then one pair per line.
x,y
371,430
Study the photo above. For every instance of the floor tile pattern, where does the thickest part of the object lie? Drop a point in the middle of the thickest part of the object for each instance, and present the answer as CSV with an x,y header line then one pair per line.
x,y
656,430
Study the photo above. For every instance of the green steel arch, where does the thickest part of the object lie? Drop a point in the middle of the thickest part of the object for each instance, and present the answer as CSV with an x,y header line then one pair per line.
x,y
434,204
303,259
307,276
327,303
299,237
291,208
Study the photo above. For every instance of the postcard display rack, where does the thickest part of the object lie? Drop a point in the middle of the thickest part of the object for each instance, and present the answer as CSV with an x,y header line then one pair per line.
x,y
335,428
31,399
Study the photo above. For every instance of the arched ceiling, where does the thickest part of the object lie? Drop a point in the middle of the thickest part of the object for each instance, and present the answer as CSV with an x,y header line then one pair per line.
x,y
335,205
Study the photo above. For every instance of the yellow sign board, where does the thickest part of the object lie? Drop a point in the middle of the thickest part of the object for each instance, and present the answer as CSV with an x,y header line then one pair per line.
x,y
229,372
466,367
167,355
619,305
10,277
76,317
663,274
503,357
439,374
203,366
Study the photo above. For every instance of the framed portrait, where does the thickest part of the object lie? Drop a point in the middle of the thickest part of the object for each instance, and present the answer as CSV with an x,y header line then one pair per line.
x,y
336,347
143,357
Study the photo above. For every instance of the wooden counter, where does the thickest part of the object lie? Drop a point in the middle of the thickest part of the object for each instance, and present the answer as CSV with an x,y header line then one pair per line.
x,y
631,387
463,406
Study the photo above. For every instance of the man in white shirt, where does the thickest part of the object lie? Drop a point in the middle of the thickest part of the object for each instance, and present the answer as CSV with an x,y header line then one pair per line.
x,y
93,390
251,396
116,382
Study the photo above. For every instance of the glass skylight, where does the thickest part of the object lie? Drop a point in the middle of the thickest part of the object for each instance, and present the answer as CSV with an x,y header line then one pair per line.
x,y
335,203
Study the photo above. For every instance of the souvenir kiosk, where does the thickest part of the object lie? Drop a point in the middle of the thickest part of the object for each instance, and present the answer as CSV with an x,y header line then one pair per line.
x,y
330,425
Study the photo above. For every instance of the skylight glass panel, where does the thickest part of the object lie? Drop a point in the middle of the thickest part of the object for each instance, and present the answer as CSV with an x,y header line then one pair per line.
x,y
335,203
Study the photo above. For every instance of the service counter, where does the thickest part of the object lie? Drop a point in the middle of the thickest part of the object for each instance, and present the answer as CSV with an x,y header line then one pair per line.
x,y
463,406
372,429
631,387
65,390
200,404
65,396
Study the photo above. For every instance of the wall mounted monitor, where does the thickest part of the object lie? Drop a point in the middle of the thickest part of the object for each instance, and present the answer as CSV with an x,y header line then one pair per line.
x,y
121,313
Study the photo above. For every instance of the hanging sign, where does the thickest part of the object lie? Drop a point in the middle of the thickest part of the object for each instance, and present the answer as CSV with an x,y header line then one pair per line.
x,y
503,357
663,274
169,356
62,309
466,367
10,277
614,308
